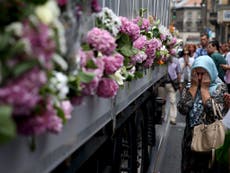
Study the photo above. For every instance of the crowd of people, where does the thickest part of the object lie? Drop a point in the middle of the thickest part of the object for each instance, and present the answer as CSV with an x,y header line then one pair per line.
x,y
198,77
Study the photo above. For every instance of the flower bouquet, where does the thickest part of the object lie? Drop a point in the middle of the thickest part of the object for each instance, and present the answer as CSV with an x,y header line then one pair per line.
x,y
33,85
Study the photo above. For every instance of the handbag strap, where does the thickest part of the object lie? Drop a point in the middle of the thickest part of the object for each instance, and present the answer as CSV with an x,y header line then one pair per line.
x,y
216,109
211,162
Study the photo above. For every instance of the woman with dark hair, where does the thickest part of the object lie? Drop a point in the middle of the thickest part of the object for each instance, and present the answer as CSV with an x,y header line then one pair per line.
x,y
213,51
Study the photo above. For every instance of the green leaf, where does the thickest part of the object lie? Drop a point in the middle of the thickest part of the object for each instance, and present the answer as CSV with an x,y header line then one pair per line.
x,y
158,54
86,77
138,74
156,32
90,64
142,11
149,35
129,77
60,113
23,67
128,50
36,2
7,125
18,47
123,39
140,22
85,47
4,41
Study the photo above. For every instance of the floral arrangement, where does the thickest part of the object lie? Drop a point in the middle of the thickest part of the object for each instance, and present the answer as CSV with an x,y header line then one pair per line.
x,y
117,50
33,86
38,84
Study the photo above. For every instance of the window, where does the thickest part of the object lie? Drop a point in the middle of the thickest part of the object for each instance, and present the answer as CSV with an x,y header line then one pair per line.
x,y
189,15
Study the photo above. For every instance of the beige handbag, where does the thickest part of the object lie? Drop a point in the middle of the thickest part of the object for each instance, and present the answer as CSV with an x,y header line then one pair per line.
x,y
209,137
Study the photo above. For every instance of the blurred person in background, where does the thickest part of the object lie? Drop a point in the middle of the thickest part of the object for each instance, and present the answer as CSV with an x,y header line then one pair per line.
x,y
185,64
204,39
226,67
213,50
192,50
172,84
224,49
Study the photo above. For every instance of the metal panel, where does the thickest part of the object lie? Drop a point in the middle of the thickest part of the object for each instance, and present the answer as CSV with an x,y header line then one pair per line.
x,y
130,8
87,119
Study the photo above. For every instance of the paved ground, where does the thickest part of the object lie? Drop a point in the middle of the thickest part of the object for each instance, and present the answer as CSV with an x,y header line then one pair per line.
x,y
170,155
167,153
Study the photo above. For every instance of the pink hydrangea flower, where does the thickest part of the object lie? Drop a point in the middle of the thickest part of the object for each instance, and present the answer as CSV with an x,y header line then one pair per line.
x,y
172,42
140,42
44,121
129,28
163,37
67,108
55,124
148,63
138,58
95,6
101,40
62,2
91,87
151,47
32,126
113,63
107,88
42,44
144,23
99,63
23,92
85,56
172,52
77,100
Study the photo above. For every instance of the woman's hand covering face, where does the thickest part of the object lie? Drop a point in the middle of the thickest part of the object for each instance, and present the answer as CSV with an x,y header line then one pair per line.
x,y
194,78
205,81
227,100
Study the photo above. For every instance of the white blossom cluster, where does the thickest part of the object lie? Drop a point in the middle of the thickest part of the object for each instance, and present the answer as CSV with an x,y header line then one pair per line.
x,y
110,20
58,84
165,31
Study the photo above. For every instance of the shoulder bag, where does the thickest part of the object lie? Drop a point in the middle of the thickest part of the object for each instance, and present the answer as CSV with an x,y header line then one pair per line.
x,y
209,137
175,83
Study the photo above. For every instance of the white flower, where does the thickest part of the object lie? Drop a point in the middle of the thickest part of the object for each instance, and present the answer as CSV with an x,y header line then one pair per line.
x,y
110,20
163,30
27,45
60,61
58,84
118,77
48,12
16,28
132,71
